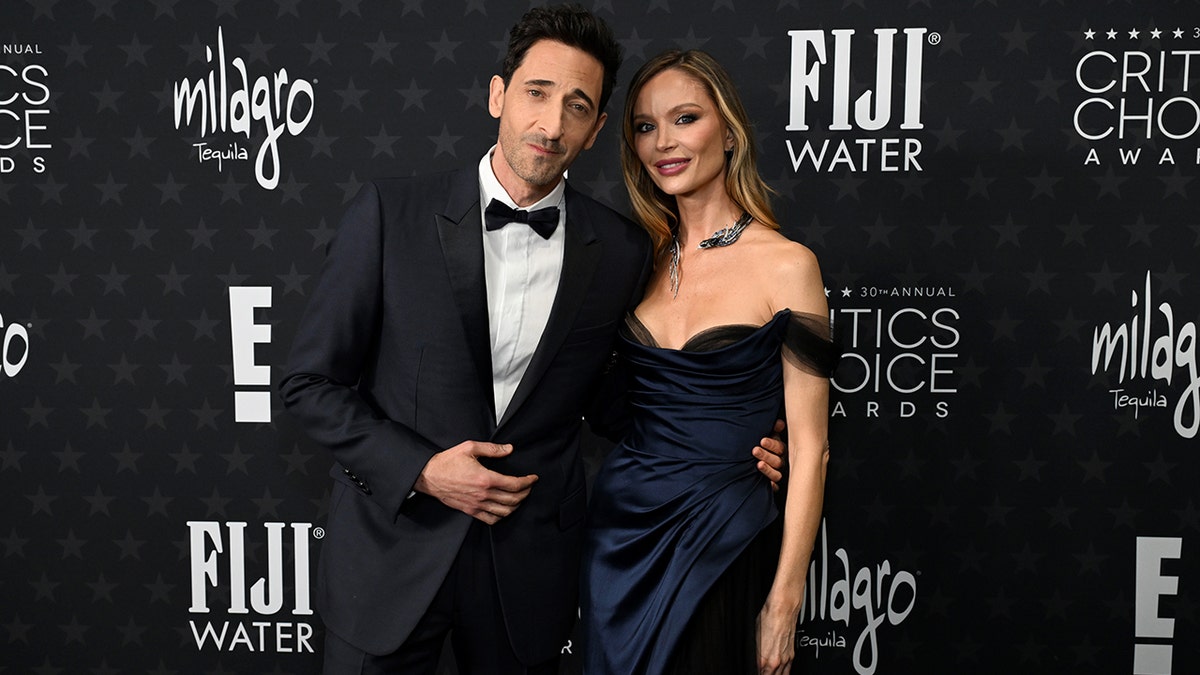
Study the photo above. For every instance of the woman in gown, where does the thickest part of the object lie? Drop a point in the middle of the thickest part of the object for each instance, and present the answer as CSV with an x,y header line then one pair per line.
x,y
687,569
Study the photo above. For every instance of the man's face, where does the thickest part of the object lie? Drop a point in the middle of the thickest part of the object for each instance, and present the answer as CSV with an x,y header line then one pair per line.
x,y
548,115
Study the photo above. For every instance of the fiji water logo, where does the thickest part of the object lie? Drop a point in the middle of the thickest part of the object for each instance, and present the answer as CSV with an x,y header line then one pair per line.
x,y
219,560
862,599
1151,346
272,104
821,74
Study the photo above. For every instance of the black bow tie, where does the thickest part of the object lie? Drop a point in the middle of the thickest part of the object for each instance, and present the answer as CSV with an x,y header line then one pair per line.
x,y
543,221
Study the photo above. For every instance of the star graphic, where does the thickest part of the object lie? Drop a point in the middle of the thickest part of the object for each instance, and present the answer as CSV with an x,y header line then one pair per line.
x,y
262,235
293,281
635,45
135,52
444,142
381,49
257,50
322,143
383,142
443,48
114,282
413,95
107,98
691,41
319,50
123,371
1089,34
292,190
139,144
204,326
1017,39
755,43
982,87
202,235
173,281
351,96
79,144
75,52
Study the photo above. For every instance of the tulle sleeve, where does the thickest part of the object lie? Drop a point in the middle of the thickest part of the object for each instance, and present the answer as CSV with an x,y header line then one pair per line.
x,y
808,345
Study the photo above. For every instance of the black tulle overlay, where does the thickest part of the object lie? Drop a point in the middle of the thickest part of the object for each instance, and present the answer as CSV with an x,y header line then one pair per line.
x,y
674,553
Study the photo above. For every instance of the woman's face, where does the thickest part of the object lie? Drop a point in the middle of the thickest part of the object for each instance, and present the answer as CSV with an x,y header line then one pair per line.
x,y
679,135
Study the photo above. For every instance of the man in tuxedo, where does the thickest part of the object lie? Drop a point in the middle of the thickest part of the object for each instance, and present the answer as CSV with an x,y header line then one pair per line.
x,y
451,347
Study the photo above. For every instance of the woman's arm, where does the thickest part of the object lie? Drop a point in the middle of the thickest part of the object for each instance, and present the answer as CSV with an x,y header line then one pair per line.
x,y
807,410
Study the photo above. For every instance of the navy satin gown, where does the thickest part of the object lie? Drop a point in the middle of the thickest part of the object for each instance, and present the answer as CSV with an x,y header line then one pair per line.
x,y
679,499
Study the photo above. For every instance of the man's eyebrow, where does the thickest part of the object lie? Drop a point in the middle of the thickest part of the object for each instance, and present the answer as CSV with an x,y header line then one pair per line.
x,y
577,91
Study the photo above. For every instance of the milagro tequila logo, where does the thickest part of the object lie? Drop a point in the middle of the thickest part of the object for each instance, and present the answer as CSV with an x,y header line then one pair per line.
x,y
1151,346
218,560
14,350
878,109
861,599
274,104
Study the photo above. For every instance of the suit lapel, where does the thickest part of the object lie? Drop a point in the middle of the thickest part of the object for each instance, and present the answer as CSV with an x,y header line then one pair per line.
x,y
461,235
581,255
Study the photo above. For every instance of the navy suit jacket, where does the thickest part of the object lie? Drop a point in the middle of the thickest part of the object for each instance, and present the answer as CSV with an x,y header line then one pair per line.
x,y
391,363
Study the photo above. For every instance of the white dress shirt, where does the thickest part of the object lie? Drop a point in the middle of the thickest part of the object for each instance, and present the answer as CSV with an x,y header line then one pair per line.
x,y
522,271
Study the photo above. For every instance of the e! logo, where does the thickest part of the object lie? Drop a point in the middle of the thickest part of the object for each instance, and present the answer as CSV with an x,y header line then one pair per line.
x,y
1154,658
249,406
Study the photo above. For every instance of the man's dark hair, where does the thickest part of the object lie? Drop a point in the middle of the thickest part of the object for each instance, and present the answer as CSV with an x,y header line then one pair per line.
x,y
573,26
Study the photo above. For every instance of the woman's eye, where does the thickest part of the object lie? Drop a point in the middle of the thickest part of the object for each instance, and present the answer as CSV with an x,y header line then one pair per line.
x,y
644,127
685,119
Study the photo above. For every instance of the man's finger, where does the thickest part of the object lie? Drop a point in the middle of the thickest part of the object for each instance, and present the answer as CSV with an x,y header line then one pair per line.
x,y
481,449
771,474
512,483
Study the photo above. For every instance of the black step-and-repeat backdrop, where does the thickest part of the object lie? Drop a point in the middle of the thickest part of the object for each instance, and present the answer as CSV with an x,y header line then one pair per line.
x,y
1002,197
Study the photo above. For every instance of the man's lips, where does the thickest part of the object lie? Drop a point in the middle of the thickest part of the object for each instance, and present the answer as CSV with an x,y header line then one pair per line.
x,y
543,150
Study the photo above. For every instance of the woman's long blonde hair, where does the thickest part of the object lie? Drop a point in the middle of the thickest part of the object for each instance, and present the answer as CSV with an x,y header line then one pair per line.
x,y
653,208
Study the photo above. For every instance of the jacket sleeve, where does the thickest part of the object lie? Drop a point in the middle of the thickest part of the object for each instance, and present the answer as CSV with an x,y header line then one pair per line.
x,y
337,336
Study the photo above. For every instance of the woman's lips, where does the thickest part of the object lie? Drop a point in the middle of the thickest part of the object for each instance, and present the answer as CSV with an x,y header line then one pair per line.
x,y
670,167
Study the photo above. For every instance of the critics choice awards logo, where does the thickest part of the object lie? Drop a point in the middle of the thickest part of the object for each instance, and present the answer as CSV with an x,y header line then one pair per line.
x,y
900,347
1139,90
841,601
24,109
252,623
1153,353
867,130
228,100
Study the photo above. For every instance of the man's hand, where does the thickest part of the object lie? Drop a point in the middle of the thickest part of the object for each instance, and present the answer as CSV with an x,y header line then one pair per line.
x,y
772,456
457,479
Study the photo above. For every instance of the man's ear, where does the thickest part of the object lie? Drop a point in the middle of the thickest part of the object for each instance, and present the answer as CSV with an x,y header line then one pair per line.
x,y
496,96
595,131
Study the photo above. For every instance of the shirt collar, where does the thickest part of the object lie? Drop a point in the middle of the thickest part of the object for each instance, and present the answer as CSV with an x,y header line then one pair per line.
x,y
490,187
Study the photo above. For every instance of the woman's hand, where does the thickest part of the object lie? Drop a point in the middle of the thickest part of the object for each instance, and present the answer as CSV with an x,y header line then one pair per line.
x,y
776,628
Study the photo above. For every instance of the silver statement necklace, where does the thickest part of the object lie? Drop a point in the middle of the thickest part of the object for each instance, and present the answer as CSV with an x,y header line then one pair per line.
x,y
723,237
